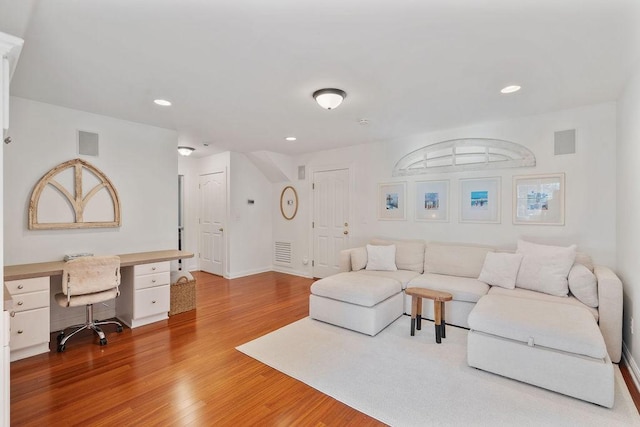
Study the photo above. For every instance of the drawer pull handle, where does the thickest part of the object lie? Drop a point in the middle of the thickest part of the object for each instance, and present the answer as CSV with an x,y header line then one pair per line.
x,y
20,331
153,280
153,268
20,286
12,314
153,302
20,302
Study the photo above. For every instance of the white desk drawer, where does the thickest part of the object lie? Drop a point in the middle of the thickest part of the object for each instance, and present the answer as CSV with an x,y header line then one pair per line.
x,y
28,301
152,280
152,268
29,328
148,302
27,285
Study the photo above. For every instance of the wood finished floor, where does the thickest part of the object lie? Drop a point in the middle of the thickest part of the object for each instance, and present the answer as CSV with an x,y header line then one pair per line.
x,y
183,371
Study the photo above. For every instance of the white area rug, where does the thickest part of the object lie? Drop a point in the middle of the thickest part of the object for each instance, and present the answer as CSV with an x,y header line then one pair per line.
x,y
411,381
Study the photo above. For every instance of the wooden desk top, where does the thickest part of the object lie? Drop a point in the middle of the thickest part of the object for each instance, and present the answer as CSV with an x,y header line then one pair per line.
x,y
54,268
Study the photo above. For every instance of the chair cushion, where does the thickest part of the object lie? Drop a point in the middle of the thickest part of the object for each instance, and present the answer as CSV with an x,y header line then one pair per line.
x,y
539,323
525,293
402,276
545,268
461,288
381,258
583,285
78,300
409,253
360,289
455,260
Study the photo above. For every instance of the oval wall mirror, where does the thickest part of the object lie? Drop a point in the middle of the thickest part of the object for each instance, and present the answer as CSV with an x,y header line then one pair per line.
x,y
289,202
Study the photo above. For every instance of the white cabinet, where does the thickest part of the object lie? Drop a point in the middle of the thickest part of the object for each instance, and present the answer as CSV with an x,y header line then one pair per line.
x,y
144,294
29,319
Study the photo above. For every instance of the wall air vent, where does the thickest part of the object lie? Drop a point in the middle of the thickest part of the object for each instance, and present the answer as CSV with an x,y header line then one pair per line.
x,y
282,253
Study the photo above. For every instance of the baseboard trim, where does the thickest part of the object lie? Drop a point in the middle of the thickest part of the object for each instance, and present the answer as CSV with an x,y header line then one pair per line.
x,y
632,365
237,275
291,272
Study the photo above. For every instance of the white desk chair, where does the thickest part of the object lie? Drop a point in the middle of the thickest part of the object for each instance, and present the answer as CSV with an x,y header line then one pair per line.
x,y
85,281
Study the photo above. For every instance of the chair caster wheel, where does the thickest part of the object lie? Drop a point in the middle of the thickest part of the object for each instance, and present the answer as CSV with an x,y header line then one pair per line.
x,y
103,341
60,337
61,348
119,329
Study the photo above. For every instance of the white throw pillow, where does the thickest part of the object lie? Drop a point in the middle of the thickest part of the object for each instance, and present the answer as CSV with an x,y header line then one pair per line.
x,y
358,258
500,269
382,258
583,285
545,268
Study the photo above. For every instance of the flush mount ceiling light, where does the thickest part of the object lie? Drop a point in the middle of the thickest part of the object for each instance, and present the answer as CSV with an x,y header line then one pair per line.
x,y
162,102
185,151
510,89
329,98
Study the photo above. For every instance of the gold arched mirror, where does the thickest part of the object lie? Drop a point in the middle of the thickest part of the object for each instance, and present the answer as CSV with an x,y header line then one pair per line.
x,y
289,202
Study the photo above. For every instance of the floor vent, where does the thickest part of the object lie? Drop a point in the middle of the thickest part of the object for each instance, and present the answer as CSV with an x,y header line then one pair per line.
x,y
283,253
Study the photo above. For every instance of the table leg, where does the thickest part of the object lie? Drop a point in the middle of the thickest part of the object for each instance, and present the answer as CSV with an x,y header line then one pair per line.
x,y
443,320
414,310
419,314
437,306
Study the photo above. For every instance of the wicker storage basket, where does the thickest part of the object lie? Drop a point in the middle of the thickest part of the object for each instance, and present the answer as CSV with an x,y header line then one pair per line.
x,y
183,292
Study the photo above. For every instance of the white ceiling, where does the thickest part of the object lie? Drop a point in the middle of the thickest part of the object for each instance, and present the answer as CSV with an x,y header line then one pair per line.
x,y
240,73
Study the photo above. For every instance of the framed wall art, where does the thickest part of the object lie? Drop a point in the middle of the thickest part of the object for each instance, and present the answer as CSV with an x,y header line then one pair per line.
x,y
432,201
538,199
392,201
480,200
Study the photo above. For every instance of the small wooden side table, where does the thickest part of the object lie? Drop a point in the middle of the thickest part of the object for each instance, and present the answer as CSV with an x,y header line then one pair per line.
x,y
439,298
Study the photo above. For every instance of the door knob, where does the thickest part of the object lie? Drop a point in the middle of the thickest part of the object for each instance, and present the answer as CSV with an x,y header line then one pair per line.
x,y
345,232
221,229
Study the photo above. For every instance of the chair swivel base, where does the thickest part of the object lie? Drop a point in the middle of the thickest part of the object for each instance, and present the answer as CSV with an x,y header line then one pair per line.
x,y
90,324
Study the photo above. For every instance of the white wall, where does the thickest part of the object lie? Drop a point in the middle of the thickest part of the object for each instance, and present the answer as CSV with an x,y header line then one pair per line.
x,y
248,237
140,161
590,186
628,206
250,224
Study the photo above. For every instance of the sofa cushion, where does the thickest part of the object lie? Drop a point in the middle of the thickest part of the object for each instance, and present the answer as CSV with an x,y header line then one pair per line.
x,y
584,259
356,288
545,268
525,293
455,260
358,258
583,285
538,323
402,276
461,288
409,253
381,258
500,269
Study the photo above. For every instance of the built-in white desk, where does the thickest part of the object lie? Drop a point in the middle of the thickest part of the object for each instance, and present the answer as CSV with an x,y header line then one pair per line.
x,y
144,297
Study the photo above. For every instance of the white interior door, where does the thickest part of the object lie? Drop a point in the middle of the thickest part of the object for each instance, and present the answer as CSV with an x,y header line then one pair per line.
x,y
330,220
213,209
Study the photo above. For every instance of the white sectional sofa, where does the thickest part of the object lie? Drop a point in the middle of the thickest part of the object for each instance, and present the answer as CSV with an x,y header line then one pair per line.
x,y
527,325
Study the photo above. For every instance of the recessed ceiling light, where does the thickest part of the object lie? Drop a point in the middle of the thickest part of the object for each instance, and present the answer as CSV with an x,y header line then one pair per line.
x,y
291,138
162,102
510,89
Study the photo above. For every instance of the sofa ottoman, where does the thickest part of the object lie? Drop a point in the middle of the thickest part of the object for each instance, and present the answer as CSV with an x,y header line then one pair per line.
x,y
555,346
362,303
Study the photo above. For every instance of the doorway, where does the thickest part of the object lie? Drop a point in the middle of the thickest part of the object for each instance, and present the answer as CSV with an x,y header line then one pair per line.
x,y
330,220
213,210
